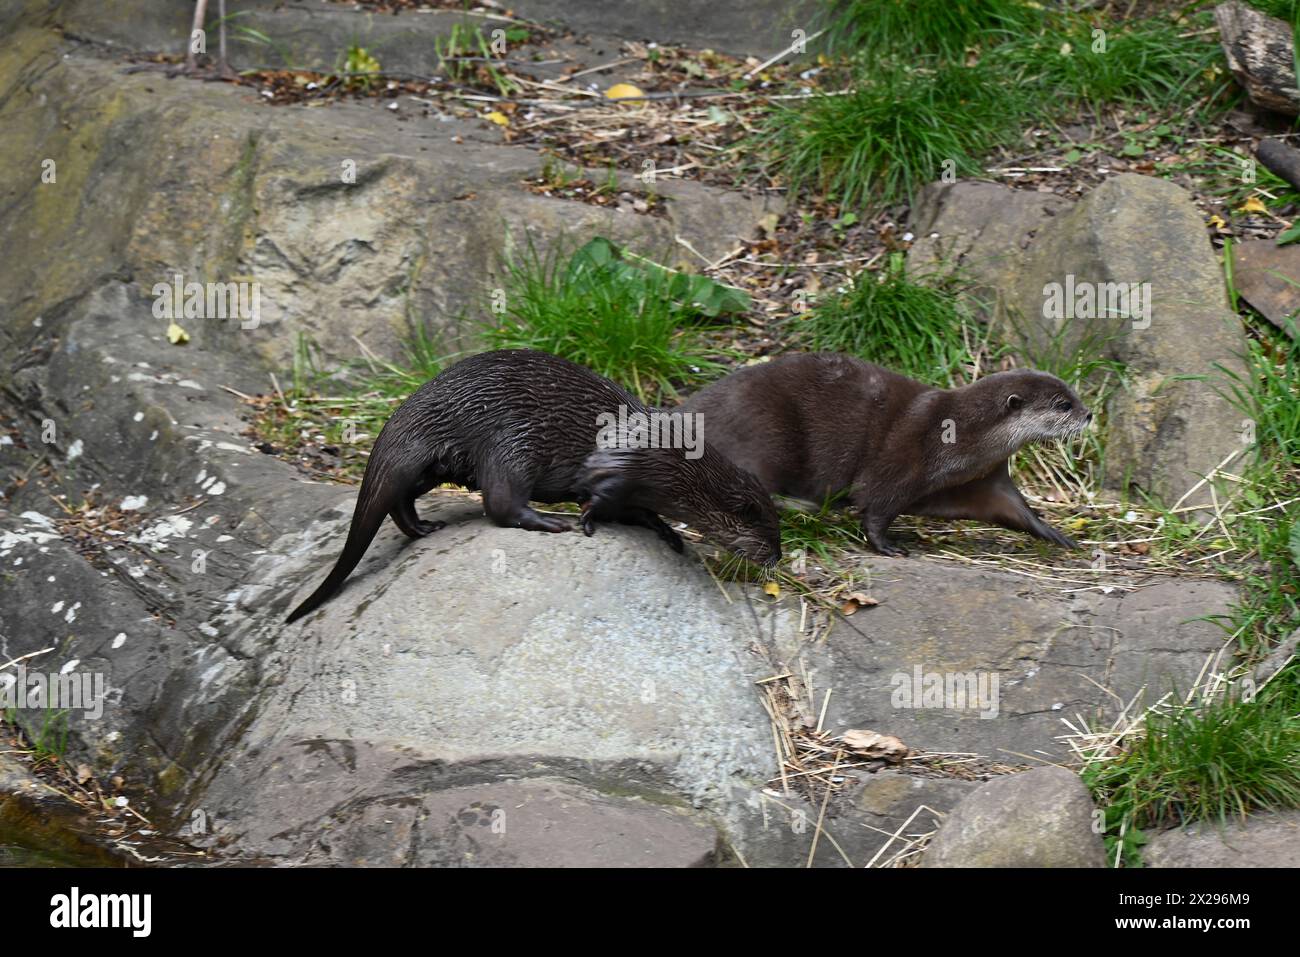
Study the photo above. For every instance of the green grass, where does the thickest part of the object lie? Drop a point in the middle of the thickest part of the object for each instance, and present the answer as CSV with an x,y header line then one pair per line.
x,y
1149,62
908,28
899,127
1269,397
631,321
1282,9
912,102
921,329
1213,762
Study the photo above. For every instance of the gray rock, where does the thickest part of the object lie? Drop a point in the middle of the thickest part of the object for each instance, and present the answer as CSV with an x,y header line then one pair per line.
x,y
1019,659
158,177
1265,839
1165,434
534,822
1040,818
756,27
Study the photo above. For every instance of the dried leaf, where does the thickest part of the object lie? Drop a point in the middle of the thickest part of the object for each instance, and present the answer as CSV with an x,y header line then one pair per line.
x,y
855,600
500,119
873,744
176,335
1252,205
773,589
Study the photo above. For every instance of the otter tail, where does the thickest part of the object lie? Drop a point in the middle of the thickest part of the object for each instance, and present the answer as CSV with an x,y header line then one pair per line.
x,y
372,506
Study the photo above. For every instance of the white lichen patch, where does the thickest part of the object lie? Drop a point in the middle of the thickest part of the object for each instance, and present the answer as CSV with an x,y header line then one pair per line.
x,y
75,450
133,503
157,534
119,639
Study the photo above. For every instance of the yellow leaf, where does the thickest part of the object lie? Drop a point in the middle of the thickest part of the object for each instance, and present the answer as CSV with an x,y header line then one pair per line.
x,y
621,91
176,335
500,119
1252,205
773,589
1217,222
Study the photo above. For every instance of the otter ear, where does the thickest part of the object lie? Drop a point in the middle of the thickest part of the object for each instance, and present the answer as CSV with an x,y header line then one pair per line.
x,y
1014,402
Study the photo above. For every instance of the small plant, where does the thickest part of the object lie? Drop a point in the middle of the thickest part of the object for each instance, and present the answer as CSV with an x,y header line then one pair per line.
x,y
921,330
632,321
359,65
465,56
897,128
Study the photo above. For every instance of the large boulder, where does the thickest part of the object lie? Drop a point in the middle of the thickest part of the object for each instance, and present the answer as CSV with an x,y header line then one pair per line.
x,y
1173,422
1041,818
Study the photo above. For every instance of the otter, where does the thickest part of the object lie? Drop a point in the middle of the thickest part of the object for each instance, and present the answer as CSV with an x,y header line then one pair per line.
x,y
521,426
816,425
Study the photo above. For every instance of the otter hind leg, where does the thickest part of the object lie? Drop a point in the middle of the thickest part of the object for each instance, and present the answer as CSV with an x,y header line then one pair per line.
x,y
994,499
409,521
505,500
407,518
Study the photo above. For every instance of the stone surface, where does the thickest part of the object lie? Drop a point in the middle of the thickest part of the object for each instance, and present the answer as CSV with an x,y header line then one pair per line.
x,y
1165,433
535,822
1268,277
1040,818
1266,839
1051,657
157,178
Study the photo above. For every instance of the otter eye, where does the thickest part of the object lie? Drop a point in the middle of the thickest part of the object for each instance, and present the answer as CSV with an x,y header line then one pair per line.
x,y
1063,406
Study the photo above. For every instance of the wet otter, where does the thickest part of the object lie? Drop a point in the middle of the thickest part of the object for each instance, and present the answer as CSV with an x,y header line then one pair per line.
x,y
815,425
521,425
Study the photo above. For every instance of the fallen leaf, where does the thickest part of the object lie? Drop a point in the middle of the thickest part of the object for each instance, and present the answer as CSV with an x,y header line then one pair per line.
x,y
773,589
1217,222
621,91
176,335
1252,205
83,773
500,119
855,600
873,744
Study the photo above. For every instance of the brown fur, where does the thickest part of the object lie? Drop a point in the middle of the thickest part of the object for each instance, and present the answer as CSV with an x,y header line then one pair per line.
x,y
817,425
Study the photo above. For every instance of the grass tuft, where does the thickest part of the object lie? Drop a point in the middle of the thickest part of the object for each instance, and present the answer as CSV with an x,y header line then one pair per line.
x,y
922,329
908,28
897,128
637,324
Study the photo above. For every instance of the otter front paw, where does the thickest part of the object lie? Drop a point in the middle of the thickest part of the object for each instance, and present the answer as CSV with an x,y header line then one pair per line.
x,y
588,520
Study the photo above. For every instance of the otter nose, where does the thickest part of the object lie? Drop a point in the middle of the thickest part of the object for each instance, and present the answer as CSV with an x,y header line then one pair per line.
x,y
1088,418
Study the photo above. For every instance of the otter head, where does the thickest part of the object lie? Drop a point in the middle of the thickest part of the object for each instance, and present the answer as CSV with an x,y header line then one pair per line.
x,y
724,502
1032,406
